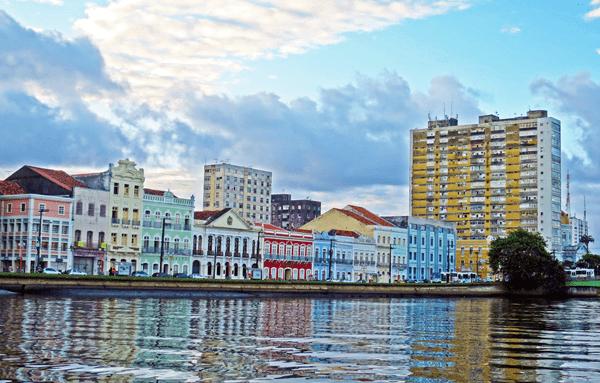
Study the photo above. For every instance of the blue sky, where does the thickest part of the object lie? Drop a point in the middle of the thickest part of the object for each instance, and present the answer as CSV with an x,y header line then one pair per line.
x,y
322,93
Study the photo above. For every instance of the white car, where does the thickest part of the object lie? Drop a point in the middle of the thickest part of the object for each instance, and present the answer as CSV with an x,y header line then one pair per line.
x,y
49,270
199,276
76,272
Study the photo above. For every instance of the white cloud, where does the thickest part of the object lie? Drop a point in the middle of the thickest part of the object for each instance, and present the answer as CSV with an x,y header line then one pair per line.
x,y
51,2
157,46
594,13
510,30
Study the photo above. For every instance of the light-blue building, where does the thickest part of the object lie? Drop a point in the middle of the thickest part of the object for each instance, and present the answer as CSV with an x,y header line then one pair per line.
x,y
339,263
431,246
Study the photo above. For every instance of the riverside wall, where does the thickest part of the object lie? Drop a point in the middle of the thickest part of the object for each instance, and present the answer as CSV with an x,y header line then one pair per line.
x,y
165,287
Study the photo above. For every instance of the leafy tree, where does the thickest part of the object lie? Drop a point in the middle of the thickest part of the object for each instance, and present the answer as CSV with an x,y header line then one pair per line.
x,y
586,240
568,264
589,261
522,256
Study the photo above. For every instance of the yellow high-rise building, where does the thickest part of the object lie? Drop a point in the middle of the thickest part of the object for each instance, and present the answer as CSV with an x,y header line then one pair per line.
x,y
489,178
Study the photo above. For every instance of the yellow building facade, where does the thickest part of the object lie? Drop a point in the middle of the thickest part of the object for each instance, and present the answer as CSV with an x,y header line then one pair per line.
x,y
489,178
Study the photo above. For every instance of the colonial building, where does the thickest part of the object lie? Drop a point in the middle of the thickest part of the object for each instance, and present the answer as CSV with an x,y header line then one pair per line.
x,y
224,245
24,243
287,255
489,178
124,184
432,248
167,232
288,213
385,264
334,255
244,189
90,223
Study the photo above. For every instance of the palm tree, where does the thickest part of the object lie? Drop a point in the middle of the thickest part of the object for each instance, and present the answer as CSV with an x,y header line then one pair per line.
x,y
586,240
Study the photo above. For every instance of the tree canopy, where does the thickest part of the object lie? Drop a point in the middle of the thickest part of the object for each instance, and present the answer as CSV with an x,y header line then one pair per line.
x,y
589,261
522,257
586,240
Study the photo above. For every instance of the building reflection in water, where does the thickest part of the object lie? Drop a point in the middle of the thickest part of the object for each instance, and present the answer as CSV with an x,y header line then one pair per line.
x,y
214,340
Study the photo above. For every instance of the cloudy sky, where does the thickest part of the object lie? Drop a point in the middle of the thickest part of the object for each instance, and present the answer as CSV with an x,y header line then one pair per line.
x,y
322,93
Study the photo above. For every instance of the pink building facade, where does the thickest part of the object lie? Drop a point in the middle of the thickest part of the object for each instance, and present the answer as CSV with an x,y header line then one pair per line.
x,y
20,230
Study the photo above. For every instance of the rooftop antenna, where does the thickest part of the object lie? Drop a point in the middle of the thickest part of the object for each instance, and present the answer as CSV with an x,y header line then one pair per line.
x,y
568,195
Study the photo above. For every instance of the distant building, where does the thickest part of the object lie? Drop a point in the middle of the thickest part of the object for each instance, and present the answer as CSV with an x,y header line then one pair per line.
x,y
572,229
246,190
287,255
288,213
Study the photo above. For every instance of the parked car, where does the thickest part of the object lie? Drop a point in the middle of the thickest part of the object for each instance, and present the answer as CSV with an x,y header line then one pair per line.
x,y
199,276
161,275
75,272
488,279
436,280
181,275
49,270
139,273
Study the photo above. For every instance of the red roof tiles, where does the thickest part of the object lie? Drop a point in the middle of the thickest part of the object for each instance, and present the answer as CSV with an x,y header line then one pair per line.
x,y
11,188
154,192
59,177
357,217
373,217
206,214
346,233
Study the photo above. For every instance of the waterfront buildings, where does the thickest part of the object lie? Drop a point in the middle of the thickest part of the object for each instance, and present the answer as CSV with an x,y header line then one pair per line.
x,y
572,229
488,178
90,224
431,247
385,263
288,213
24,243
224,245
244,189
124,184
287,255
166,232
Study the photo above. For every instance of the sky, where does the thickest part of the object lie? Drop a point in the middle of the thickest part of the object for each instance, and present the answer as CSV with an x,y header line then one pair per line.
x,y
321,93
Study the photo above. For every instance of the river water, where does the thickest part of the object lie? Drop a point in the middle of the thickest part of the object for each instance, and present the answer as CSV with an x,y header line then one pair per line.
x,y
111,339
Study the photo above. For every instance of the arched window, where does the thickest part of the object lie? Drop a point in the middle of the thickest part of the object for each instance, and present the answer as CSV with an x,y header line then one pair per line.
x,y
146,242
157,215
176,244
228,246
186,243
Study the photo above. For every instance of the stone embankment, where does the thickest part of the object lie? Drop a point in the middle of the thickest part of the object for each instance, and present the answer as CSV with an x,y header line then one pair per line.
x,y
70,285
171,287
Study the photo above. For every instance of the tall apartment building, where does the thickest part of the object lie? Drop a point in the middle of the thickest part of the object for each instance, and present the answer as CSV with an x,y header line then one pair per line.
x,y
244,189
288,213
489,178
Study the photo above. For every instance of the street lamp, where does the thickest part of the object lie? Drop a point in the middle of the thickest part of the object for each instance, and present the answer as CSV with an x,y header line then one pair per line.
x,y
330,256
39,243
391,248
21,245
162,241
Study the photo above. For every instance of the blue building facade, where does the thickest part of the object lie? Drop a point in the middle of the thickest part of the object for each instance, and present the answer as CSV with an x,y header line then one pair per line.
x,y
337,265
431,247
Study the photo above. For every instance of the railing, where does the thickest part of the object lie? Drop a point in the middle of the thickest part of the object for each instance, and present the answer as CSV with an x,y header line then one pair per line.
x,y
125,222
115,221
187,227
177,226
147,224
135,223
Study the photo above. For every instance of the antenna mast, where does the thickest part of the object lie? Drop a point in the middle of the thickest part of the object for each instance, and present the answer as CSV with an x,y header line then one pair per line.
x,y
568,195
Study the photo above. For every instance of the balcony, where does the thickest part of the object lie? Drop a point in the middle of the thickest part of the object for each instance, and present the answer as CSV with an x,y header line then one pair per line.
x,y
125,222
135,223
187,227
115,221
147,224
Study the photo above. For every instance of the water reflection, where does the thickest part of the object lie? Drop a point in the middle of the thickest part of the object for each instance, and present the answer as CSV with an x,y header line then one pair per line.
x,y
216,340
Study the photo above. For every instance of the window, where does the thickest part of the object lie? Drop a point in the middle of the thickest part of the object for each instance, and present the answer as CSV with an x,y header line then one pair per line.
x,y
91,209
89,239
61,210
79,208
102,210
134,240
9,208
116,188
100,238
23,207
136,191
126,189
115,212
124,239
42,206
113,238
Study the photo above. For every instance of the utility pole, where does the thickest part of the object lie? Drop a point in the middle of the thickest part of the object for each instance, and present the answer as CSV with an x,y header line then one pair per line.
x,y
448,275
162,241
330,256
391,248
39,244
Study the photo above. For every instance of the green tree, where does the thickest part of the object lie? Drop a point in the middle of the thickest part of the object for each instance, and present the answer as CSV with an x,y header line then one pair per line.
x,y
586,240
523,258
589,261
568,264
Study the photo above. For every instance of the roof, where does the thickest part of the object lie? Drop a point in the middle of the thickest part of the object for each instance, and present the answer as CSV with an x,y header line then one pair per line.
x,y
11,188
373,217
59,177
346,233
306,231
206,214
268,226
357,217
154,192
